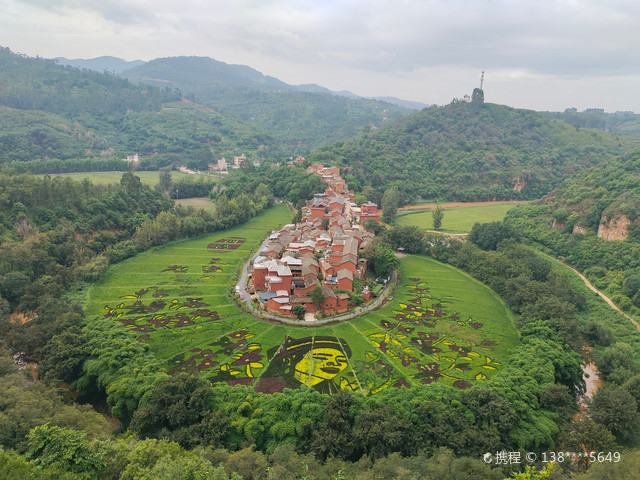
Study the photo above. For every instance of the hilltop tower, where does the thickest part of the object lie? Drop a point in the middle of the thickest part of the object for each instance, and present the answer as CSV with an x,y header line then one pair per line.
x,y
478,93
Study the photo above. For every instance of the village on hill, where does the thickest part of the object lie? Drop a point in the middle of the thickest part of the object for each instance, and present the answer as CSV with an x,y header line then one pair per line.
x,y
316,264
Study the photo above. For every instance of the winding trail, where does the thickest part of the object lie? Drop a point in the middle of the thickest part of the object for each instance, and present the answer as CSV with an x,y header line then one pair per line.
x,y
594,289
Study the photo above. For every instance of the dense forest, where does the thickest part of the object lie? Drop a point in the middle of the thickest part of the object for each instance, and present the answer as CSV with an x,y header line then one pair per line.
x,y
471,151
57,119
301,117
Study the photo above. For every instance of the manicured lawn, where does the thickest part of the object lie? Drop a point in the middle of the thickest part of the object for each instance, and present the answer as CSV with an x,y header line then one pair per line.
x,y
456,219
440,326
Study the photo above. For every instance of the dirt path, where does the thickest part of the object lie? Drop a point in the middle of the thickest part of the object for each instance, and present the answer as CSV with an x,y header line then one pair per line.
x,y
202,202
186,170
459,236
594,289
426,206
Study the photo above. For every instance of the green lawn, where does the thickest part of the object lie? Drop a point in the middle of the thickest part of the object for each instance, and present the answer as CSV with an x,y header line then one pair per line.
x,y
456,219
441,325
147,178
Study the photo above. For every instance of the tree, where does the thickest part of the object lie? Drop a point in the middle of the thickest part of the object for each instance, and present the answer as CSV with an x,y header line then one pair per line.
x,y
164,181
131,183
437,214
618,361
375,227
530,472
390,203
633,387
359,199
408,237
616,409
263,194
477,97
334,435
64,356
299,311
379,432
317,297
384,261
178,402
488,235
248,463
585,435
65,449
150,459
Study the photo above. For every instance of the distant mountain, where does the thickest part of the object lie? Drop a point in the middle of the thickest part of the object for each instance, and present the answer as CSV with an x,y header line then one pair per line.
x,y
39,84
403,103
101,64
471,151
202,76
59,118
302,117
118,66
624,122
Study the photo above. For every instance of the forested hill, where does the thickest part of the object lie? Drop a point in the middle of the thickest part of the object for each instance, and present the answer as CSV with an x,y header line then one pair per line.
x,y
593,221
302,117
472,151
55,118
39,84
594,198
628,122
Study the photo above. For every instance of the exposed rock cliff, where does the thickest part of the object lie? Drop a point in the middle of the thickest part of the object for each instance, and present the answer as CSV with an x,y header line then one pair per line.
x,y
518,184
614,228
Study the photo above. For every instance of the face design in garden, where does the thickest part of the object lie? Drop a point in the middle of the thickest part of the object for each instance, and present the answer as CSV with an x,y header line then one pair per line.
x,y
320,364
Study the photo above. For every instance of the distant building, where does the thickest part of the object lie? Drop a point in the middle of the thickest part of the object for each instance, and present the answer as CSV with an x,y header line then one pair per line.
x,y
221,165
369,211
237,161
132,158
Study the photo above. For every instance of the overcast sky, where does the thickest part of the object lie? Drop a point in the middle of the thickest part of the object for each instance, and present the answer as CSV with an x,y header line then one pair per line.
x,y
537,54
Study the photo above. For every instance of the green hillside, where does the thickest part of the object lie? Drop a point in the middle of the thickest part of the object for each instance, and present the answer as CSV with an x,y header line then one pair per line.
x,y
472,151
591,220
56,119
301,119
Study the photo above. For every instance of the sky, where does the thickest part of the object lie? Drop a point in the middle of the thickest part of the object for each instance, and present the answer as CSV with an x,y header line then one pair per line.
x,y
544,55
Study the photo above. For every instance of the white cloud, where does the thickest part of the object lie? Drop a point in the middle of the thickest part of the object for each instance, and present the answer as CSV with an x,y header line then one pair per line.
x,y
385,46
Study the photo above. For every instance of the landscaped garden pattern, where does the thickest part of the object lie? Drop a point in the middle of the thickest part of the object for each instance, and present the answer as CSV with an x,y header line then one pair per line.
x,y
441,326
